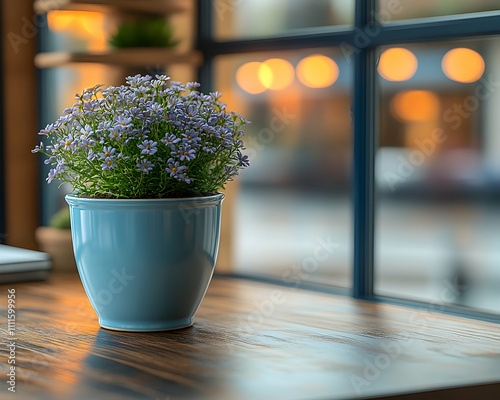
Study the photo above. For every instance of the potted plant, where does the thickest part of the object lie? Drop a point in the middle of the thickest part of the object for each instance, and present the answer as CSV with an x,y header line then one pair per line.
x,y
148,32
55,240
146,161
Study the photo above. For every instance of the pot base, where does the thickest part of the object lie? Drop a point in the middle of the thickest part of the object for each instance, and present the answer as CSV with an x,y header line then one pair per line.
x,y
146,327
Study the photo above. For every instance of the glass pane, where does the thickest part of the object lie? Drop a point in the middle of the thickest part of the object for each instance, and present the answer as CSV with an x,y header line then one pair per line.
x,y
292,218
235,19
438,173
393,10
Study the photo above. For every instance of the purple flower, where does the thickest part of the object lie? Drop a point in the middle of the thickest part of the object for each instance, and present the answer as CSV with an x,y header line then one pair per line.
x,y
69,142
243,159
123,122
141,133
171,140
86,143
52,175
191,138
86,131
90,106
104,126
215,95
176,170
47,130
145,166
115,133
192,111
55,172
38,148
138,127
192,85
186,153
225,133
148,147
231,170
157,108
120,157
137,80
108,164
50,160
212,120
136,113
107,152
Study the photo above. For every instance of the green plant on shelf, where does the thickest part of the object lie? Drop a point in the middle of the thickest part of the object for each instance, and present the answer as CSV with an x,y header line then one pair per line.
x,y
151,32
61,219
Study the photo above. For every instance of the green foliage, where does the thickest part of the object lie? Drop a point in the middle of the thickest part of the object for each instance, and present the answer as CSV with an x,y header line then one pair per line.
x,y
151,32
60,220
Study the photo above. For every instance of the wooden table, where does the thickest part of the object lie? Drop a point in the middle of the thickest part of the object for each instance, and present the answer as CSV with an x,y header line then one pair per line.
x,y
250,341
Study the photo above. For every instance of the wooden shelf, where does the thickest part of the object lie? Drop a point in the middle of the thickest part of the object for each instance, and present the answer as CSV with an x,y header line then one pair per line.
x,y
163,7
131,57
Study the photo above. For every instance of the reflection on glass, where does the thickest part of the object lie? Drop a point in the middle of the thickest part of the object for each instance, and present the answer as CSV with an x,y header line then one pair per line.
x,y
293,214
391,10
438,177
235,19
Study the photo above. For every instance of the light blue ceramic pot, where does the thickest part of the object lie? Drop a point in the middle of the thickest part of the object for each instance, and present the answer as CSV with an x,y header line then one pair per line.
x,y
145,264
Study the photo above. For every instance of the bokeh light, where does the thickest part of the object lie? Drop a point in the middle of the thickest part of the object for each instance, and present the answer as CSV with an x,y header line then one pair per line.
x,y
317,71
276,73
415,105
463,65
397,64
247,77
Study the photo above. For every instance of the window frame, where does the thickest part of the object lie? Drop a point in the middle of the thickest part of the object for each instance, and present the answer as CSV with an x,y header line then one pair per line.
x,y
2,147
365,141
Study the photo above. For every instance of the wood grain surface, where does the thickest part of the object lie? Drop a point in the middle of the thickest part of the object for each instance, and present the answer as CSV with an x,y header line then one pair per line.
x,y
250,341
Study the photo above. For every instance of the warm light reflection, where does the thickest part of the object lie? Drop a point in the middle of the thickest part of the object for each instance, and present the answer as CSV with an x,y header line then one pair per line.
x,y
247,77
415,105
463,65
317,71
397,64
276,74
85,25
82,76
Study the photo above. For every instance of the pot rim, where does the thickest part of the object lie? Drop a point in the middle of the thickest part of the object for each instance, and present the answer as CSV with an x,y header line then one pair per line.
x,y
200,199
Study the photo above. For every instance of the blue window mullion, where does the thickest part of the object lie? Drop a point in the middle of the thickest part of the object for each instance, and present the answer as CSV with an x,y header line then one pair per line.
x,y
364,155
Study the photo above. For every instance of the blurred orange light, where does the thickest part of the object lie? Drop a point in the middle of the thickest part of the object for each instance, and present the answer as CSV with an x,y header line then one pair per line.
x,y
276,74
317,71
86,25
415,105
463,65
397,64
248,77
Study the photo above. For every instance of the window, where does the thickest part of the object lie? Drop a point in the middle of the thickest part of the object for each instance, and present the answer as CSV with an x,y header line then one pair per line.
x,y
428,236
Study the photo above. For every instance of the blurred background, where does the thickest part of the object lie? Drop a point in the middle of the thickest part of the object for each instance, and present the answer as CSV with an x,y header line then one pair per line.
x,y
437,233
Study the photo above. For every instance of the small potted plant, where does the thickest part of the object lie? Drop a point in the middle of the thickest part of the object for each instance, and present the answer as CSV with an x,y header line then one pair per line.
x,y
149,32
146,161
55,240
